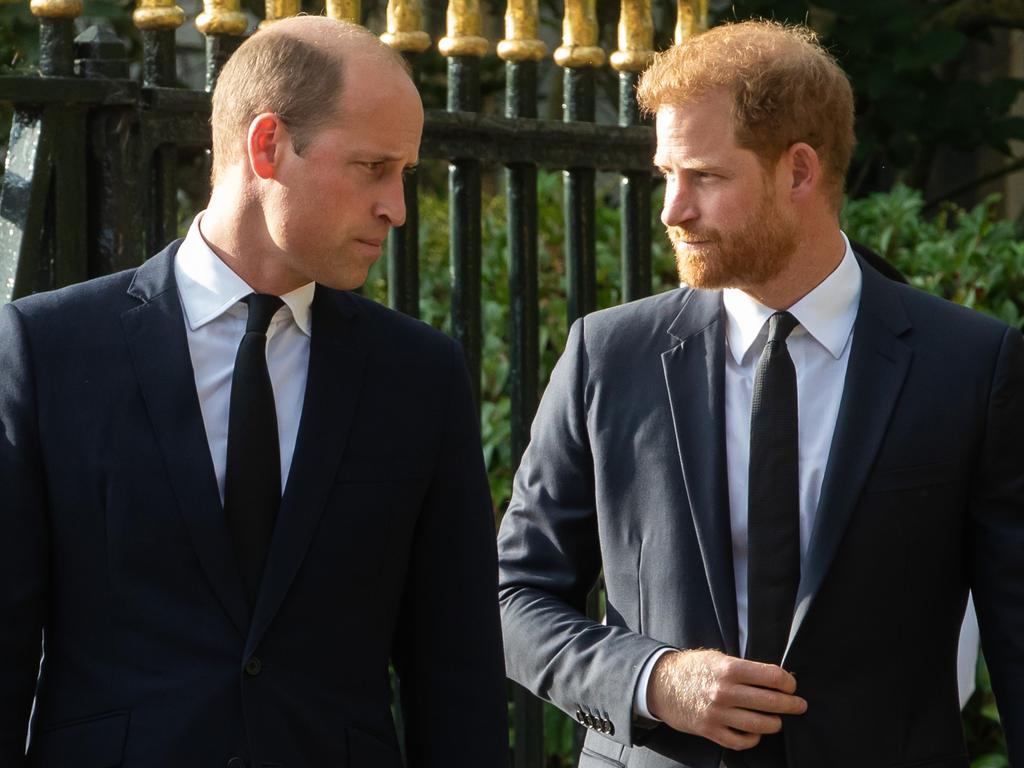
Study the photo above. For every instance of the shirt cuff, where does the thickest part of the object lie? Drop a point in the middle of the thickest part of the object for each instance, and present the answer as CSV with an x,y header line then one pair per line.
x,y
640,696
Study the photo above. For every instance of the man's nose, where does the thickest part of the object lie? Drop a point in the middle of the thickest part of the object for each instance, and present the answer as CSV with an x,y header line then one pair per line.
x,y
679,206
391,204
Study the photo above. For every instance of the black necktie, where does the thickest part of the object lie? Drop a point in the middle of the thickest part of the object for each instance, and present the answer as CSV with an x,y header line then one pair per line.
x,y
773,520
773,493
252,483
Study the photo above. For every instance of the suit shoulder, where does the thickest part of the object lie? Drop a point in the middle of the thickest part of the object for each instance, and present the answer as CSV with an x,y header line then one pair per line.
x,y
79,301
946,317
634,328
398,332
650,312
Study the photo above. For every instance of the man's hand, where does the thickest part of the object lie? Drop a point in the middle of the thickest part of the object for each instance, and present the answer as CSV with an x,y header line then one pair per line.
x,y
727,700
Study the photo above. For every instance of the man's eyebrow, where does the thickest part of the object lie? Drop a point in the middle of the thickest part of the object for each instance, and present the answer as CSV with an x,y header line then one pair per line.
x,y
696,164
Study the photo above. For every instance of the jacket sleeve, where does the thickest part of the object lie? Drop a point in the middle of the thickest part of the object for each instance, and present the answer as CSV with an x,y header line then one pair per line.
x,y
997,540
24,547
549,559
448,643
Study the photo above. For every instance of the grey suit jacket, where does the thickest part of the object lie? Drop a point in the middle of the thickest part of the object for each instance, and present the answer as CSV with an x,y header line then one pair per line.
x,y
923,499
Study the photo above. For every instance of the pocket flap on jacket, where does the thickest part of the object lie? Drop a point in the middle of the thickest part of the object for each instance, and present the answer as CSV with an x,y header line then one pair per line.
x,y
366,751
93,742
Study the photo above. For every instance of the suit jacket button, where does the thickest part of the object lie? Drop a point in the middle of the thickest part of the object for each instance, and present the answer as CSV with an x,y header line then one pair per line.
x,y
236,762
579,716
252,668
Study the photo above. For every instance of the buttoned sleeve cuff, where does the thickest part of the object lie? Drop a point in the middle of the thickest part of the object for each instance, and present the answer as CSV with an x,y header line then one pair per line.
x,y
640,709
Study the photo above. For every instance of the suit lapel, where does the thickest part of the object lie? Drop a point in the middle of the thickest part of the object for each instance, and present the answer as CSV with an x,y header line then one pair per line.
x,y
878,365
695,377
155,334
337,361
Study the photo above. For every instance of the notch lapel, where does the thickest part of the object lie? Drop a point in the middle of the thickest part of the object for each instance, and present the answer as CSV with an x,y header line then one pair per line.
x,y
695,377
155,334
879,360
337,363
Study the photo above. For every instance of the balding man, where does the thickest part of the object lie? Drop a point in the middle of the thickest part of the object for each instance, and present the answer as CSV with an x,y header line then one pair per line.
x,y
234,493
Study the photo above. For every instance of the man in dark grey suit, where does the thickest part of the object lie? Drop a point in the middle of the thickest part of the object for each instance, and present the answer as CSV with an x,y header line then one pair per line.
x,y
790,471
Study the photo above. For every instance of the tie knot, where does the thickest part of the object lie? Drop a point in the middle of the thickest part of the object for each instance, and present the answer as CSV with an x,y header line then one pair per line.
x,y
262,307
780,325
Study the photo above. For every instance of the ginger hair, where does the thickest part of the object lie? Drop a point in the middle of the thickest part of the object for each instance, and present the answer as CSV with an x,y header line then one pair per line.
x,y
785,87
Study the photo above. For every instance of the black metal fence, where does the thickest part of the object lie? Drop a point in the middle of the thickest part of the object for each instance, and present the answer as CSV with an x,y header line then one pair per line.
x,y
90,185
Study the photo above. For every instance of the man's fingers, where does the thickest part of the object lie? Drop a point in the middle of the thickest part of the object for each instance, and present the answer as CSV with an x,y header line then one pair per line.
x,y
759,674
733,739
764,700
748,721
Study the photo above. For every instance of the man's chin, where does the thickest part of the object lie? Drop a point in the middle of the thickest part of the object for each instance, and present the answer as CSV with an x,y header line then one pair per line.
x,y
698,271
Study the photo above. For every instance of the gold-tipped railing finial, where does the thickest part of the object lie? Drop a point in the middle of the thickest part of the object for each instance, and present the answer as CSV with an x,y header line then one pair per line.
x,y
56,9
579,36
521,42
404,33
344,10
280,9
221,17
636,37
463,38
158,14
692,19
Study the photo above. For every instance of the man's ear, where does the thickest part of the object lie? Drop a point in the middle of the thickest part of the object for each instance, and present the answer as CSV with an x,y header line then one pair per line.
x,y
265,142
805,170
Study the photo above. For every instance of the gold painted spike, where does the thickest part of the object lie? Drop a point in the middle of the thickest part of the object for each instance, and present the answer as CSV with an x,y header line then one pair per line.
x,y
222,17
280,9
158,14
56,9
463,38
636,37
579,36
344,10
404,33
521,42
692,19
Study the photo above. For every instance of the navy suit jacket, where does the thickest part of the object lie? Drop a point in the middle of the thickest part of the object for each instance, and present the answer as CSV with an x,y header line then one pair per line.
x,y
114,551
922,499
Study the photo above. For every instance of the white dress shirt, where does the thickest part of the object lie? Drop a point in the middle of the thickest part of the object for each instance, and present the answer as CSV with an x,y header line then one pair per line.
x,y
820,348
215,317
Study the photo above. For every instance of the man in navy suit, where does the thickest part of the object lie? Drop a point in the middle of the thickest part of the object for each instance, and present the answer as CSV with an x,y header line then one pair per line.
x,y
790,471
205,595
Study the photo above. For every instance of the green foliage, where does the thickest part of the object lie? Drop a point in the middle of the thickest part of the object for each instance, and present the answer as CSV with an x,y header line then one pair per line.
x,y
981,725
971,257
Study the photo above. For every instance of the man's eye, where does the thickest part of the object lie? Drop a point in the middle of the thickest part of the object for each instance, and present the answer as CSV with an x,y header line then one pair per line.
x,y
373,165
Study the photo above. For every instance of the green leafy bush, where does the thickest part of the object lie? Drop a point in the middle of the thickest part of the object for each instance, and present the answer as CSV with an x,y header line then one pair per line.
x,y
971,257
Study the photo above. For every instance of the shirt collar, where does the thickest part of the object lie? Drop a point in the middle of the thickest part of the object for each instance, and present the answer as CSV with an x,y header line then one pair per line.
x,y
209,288
827,313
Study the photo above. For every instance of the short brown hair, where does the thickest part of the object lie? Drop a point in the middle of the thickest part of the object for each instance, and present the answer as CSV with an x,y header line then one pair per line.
x,y
786,88
298,77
